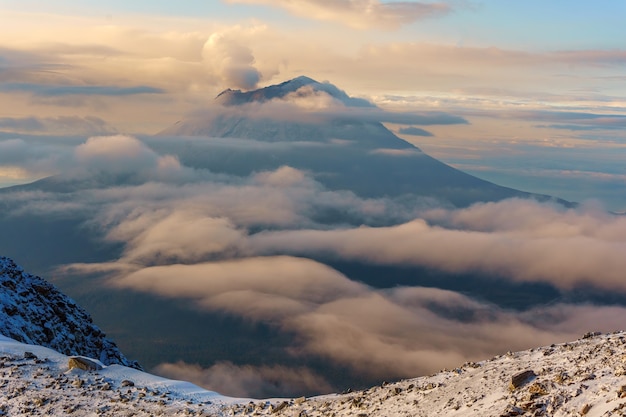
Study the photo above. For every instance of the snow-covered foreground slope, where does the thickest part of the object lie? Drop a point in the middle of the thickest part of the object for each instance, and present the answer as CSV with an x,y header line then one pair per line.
x,y
585,377
35,380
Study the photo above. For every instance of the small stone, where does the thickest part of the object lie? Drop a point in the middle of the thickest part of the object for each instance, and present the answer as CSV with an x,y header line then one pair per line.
x,y
279,407
127,383
538,389
585,409
521,378
29,355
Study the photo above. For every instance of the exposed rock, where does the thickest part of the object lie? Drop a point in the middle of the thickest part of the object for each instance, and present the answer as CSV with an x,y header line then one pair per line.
x,y
279,407
521,378
585,409
35,312
83,363
29,355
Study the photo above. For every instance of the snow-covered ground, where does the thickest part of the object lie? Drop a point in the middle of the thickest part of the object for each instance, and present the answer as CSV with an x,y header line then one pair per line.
x,y
584,377
35,380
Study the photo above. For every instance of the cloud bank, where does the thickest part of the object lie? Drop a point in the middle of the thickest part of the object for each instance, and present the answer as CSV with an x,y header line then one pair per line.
x,y
248,381
519,239
251,246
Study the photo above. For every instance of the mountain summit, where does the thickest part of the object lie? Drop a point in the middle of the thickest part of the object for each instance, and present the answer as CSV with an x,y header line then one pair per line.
x,y
302,86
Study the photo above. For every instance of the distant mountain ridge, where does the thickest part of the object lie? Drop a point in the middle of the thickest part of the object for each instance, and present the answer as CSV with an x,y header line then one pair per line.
x,y
35,312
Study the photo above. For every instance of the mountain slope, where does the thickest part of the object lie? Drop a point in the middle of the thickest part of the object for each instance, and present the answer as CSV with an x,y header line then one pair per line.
x,y
584,377
34,311
39,381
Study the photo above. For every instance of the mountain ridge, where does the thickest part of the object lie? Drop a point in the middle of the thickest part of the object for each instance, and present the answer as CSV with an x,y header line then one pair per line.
x,y
36,312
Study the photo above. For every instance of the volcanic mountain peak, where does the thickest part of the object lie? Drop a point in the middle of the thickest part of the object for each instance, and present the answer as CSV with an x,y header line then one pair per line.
x,y
301,86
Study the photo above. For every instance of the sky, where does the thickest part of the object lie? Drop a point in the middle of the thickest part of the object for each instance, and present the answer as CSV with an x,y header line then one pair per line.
x,y
541,83
535,90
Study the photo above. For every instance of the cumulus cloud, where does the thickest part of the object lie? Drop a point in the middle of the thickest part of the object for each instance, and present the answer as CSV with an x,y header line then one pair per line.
x,y
122,154
232,61
360,13
247,381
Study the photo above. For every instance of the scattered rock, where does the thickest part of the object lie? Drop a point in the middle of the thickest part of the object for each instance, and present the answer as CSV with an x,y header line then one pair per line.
x,y
127,383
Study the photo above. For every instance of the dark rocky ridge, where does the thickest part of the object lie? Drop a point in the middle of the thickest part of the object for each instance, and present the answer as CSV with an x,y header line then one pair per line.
x,y
34,311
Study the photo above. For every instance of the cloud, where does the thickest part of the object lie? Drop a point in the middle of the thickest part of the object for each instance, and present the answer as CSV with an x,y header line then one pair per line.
x,y
400,332
124,155
361,14
398,152
515,239
89,90
257,288
30,159
200,240
68,125
231,61
414,131
247,381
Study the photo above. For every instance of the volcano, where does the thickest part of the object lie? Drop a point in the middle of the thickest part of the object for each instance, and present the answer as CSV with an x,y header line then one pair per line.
x,y
317,127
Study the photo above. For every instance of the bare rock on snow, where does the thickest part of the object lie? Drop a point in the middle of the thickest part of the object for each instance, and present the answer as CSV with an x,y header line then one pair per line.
x,y
83,363
521,378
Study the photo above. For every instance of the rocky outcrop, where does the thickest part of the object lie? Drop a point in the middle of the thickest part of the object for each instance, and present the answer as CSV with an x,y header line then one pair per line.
x,y
34,311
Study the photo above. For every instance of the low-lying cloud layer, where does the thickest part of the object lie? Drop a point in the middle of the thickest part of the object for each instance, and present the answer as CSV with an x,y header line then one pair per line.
x,y
248,381
251,247
521,240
